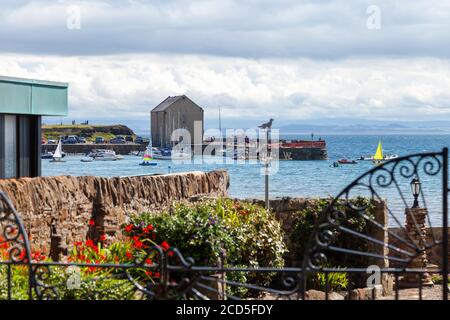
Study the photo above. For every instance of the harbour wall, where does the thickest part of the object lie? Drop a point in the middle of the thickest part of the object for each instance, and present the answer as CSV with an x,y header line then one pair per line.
x,y
56,211
86,148
305,153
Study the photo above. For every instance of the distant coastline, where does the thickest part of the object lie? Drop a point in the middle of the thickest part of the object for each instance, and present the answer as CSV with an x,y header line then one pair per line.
x,y
325,126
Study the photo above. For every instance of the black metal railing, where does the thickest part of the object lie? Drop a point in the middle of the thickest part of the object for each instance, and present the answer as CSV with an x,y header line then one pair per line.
x,y
348,241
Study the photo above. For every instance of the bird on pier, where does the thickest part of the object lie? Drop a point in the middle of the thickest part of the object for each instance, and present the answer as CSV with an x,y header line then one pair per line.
x,y
267,125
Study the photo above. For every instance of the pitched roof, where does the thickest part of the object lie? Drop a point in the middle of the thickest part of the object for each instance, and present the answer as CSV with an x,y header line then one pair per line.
x,y
169,101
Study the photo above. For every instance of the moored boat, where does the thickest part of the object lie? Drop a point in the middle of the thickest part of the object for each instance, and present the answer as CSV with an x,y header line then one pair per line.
x,y
169,154
378,157
103,155
57,155
347,161
366,158
390,156
148,157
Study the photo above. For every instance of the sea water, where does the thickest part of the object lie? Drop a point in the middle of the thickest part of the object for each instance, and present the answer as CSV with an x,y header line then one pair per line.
x,y
293,178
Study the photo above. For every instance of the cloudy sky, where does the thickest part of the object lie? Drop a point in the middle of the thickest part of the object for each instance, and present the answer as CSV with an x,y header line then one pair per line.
x,y
286,59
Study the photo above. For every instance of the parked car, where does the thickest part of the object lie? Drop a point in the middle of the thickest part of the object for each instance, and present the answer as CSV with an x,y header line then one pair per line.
x,y
117,140
129,139
99,140
52,141
139,140
81,140
70,140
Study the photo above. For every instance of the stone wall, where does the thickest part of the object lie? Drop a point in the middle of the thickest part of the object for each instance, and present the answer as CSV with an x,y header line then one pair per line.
x,y
434,254
286,207
56,210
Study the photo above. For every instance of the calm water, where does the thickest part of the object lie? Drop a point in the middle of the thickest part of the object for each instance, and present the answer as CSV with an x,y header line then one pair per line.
x,y
294,178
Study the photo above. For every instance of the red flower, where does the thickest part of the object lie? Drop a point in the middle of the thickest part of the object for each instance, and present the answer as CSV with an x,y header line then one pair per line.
x,y
128,254
102,237
92,222
148,261
81,257
90,243
149,228
157,275
149,273
129,228
138,244
37,256
22,254
78,244
165,246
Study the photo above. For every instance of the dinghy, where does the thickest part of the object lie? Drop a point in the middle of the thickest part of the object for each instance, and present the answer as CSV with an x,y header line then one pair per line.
x,y
146,161
57,155
378,156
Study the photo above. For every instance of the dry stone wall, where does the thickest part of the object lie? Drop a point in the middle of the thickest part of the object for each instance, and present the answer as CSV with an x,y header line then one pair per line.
x,y
56,210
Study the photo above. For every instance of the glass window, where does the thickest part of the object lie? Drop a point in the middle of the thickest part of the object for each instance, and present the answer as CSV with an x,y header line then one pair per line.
x,y
10,146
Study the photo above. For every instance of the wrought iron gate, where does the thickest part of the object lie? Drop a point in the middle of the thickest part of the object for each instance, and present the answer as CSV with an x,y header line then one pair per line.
x,y
350,238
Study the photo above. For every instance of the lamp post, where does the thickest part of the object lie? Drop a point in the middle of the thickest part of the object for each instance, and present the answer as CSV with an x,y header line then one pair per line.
x,y
266,172
415,188
267,128
416,230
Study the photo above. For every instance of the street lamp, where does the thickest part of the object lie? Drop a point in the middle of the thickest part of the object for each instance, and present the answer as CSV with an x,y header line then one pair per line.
x,y
267,128
415,188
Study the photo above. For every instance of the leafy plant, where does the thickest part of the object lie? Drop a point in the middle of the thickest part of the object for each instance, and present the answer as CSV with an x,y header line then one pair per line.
x,y
234,232
307,219
336,281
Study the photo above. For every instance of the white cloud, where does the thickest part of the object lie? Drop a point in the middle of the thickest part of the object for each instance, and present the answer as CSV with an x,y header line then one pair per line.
x,y
285,59
128,86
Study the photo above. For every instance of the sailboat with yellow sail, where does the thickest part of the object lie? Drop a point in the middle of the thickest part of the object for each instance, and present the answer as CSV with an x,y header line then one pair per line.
x,y
378,156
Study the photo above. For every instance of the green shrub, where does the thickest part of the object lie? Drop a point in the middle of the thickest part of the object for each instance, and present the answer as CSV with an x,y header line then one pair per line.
x,y
237,232
307,219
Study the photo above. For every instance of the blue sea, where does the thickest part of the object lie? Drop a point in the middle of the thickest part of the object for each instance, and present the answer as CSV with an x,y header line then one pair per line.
x,y
294,178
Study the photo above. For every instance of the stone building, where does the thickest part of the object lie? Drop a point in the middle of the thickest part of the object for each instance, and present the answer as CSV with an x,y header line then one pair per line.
x,y
178,112
22,104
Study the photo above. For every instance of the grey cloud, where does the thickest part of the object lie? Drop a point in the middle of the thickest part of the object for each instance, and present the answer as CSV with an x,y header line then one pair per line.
x,y
245,28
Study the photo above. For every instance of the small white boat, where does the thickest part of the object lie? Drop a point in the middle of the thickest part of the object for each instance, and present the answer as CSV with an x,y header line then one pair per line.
x,y
57,155
87,159
104,155
390,156
100,152
168,154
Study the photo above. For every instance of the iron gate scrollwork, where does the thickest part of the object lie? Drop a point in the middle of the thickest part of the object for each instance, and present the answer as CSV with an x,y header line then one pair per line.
x,y
347,239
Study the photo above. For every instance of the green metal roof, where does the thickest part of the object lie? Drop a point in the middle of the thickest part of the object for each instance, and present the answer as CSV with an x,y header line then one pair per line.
x,y
35,97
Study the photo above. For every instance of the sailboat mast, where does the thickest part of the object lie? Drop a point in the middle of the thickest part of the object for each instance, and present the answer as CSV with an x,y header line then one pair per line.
x,y
220,122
